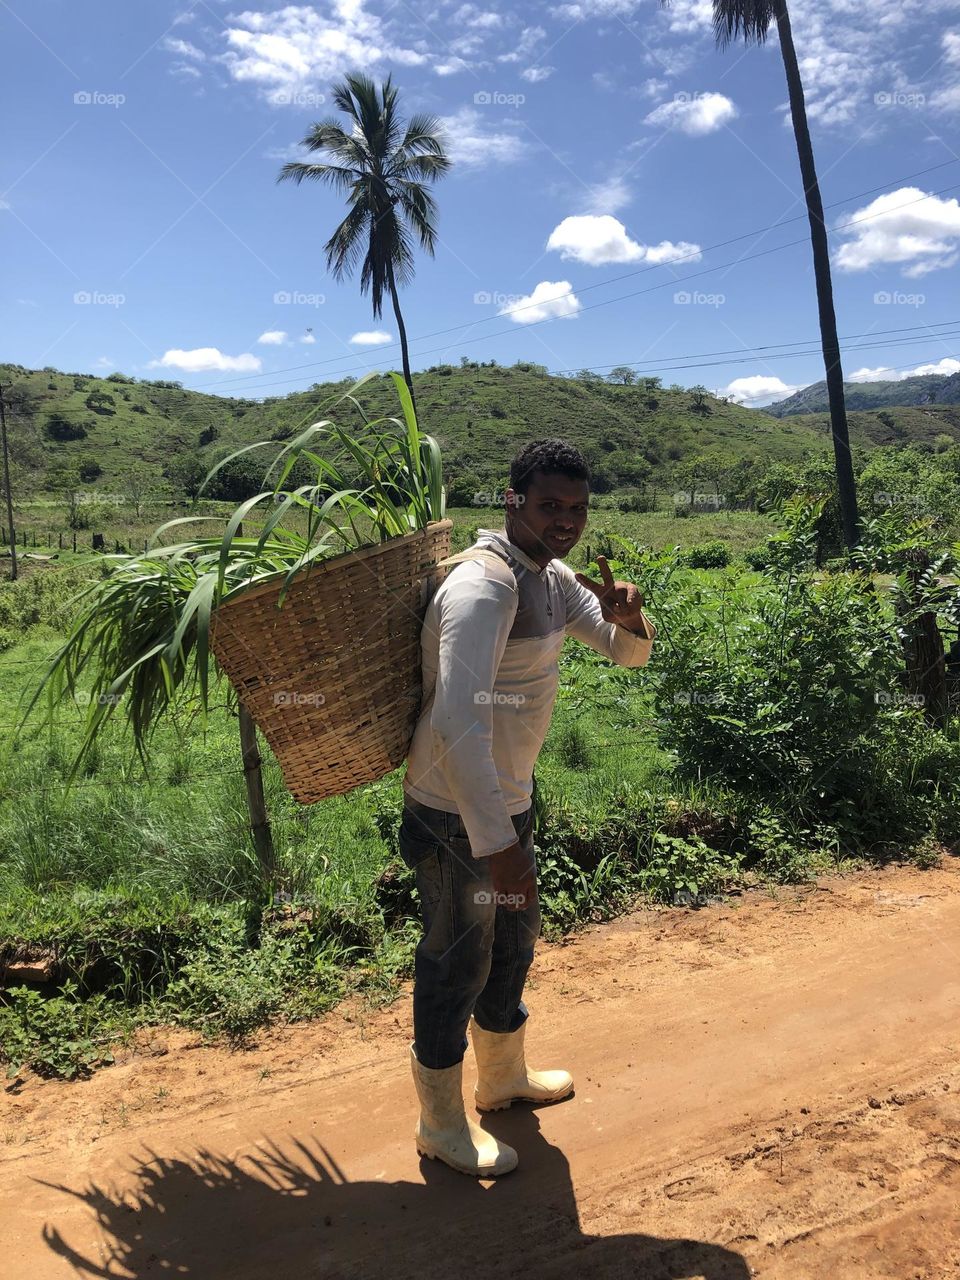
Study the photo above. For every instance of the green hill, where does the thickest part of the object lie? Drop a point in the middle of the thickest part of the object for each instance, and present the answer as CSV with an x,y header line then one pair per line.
x,y
926,389
69,428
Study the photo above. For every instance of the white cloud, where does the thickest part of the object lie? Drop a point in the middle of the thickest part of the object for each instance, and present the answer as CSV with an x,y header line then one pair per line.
x,y
471,143
606,197
695,114
308,338
883,373
880,374
951,47
297,47
184,49
946,365
450,67
468,15
273,338
371,338
597,240
920,232
652,87
202,359
529,38
947,100
689,16
103,362
535,74
758,389
550,300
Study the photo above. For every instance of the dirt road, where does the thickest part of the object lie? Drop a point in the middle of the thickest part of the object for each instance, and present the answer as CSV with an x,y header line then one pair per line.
x,y
770,1087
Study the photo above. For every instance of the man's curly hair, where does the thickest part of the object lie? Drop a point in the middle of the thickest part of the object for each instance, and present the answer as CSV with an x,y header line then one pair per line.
x,y
550,457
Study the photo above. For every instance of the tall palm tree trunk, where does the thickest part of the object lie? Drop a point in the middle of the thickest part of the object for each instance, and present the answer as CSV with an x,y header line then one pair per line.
x,y
821,265
402,332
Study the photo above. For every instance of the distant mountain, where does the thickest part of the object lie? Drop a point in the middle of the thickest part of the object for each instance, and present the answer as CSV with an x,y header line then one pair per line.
x,y
928,388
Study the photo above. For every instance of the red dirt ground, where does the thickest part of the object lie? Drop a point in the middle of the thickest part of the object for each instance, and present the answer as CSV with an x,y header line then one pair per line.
x,y
770,1087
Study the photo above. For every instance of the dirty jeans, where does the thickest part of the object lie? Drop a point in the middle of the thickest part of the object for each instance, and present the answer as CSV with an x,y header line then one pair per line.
x,y
474,954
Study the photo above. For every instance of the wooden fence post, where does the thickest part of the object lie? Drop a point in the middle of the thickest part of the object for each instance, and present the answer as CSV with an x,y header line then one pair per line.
x,y
256,802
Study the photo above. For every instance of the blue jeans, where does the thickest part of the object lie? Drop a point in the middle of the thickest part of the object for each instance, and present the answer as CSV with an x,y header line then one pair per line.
x,y
474,954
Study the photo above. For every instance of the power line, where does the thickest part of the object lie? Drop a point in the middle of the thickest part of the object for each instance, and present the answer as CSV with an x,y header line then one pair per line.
x,y
244,378
771,351
764,351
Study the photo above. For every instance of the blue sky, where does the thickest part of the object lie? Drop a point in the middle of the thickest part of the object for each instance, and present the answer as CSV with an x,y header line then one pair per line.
x,y
145,232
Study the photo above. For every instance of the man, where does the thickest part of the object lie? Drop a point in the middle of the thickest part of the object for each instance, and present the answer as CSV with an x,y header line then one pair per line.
x,y
490,643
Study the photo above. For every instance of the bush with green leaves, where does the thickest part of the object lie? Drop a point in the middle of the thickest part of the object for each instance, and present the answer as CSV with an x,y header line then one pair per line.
x,y
707,555
792,689
62,1036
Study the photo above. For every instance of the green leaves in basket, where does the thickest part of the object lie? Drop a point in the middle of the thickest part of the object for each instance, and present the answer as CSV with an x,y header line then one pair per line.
x,y
140,643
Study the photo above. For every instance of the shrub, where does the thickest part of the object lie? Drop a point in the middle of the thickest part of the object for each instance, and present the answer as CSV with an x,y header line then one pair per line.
x,y
63,429
707,555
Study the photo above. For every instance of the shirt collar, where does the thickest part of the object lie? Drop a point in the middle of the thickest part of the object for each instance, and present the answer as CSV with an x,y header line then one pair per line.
x,y
500,535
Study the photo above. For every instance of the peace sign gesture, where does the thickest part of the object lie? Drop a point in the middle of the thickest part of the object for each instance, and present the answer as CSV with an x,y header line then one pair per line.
x,y
620,602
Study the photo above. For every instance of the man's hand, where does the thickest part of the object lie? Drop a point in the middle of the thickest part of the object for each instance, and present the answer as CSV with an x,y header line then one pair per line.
x,y
514,878
620,602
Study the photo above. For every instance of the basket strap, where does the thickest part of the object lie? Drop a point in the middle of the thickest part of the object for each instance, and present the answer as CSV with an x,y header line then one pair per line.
x,y
478,553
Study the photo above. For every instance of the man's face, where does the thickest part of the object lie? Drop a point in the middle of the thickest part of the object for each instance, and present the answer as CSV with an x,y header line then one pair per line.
x,y
549,518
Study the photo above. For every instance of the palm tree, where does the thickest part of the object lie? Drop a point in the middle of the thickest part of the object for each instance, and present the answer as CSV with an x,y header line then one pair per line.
x,y
383,167
751,19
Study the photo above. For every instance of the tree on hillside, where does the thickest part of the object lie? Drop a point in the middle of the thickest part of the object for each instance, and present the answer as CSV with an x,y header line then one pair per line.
x,y
186,472
622,373
699,394
136,486
101,401
751,19
384,167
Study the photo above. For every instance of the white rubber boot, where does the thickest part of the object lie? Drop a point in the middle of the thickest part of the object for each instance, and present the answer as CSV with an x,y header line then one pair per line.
x,y
503,1076
445,1132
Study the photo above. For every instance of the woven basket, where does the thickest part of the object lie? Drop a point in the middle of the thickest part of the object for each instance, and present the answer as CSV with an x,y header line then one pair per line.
x,y
332,678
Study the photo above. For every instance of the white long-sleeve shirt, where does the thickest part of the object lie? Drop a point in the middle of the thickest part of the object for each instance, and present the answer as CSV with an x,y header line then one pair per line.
x,y
491,638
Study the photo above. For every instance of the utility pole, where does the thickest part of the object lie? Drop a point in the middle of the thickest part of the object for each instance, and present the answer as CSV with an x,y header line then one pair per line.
x,y
6,485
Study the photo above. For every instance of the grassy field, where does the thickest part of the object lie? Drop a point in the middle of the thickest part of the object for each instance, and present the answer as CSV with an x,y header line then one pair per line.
x,y
146,896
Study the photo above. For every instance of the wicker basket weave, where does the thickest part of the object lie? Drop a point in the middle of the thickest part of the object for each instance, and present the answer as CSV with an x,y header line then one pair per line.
x,y
332,678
